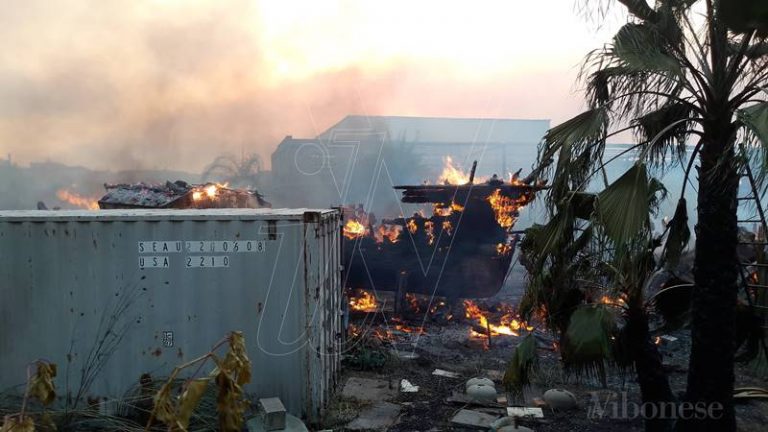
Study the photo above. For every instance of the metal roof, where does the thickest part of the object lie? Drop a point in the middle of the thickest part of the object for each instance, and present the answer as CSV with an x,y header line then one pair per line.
x,y
437,130
160,214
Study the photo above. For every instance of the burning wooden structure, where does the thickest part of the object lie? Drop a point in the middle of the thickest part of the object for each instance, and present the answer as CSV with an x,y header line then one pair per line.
x,y
179,195
462,250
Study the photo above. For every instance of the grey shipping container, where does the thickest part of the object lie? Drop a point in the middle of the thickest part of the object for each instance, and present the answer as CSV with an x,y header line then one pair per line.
x,y
171,283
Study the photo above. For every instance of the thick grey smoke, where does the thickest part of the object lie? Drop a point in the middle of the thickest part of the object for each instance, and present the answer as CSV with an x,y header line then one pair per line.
x,y
130,84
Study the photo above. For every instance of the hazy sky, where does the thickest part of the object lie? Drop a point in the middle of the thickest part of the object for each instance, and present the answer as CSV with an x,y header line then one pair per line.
x,y
174,83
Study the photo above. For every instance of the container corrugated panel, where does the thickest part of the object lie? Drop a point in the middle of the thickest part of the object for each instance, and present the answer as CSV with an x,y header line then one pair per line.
x,y
172,283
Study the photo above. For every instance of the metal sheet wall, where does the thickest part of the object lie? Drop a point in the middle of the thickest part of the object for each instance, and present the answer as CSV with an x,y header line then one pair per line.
x,y
272,274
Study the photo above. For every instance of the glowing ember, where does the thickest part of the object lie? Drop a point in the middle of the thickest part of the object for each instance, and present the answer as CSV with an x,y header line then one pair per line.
x,y
429,228
413,301
390,233
447,227
354,229
509,324
440,209
503,248
412,227
363,302
77,200
613,301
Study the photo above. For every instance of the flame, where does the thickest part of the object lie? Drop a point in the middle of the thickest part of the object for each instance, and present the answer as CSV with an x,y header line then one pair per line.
x,y
657,340
413,301
390,233
441,209
452,175
619,301
503,207
429,228
209,191
447,227
77,200
354,229
412,227
363,302
509,324
503,248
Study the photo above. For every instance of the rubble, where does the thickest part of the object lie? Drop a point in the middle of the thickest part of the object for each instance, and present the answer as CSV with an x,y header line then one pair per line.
x,y
178,195
407,387
378,416
366,389
473,419
445,373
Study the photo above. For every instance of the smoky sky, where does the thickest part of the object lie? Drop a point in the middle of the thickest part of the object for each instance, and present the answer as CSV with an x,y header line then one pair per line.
x,y
137,84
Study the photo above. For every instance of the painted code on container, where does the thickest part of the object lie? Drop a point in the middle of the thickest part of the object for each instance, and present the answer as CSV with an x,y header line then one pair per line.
x,y
207,261
239,246
202,246
154,261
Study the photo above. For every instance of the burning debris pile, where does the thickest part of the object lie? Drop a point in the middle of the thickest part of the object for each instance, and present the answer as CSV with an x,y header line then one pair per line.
x,y
479,321
179,195
462,249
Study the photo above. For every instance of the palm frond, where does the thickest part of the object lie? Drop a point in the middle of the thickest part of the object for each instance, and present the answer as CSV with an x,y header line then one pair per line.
x,y
578,145
622,208
641,47
524,359
587,342
679,235
755,119
665,130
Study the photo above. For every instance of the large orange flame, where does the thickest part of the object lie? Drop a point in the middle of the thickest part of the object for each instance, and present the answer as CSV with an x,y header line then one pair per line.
x,y
390,233
509,323
354,229
77,200
364,301
452,175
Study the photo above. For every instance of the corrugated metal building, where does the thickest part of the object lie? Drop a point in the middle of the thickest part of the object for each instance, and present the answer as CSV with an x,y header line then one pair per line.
x,y
184,279
365,155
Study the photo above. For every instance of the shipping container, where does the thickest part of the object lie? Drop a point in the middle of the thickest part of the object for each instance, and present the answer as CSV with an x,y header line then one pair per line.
x,y
170,284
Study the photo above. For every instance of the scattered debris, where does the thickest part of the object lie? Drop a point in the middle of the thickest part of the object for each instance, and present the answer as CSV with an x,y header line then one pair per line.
x,y
292,424
445,373
525,412
750,393
378,416
667,339
473,419
407,387
366,389
559,399
273,413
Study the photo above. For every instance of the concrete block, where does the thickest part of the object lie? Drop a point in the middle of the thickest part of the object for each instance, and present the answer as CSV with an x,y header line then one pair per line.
x,y
473,419
273,411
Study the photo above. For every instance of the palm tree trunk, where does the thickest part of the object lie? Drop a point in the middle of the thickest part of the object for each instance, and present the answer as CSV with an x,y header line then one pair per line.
x,y
710,374
654,385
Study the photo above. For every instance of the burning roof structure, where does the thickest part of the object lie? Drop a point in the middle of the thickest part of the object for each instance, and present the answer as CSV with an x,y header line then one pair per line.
x,y
462,250
179,195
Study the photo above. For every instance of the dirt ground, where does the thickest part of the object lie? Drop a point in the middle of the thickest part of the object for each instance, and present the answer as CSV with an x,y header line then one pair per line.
x,y
448,346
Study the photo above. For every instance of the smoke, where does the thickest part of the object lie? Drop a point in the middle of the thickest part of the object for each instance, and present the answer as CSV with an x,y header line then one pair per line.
x,y
166,84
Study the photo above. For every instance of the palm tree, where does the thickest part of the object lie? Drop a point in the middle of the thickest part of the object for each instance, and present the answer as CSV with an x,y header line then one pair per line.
x,y
242,172
676,72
